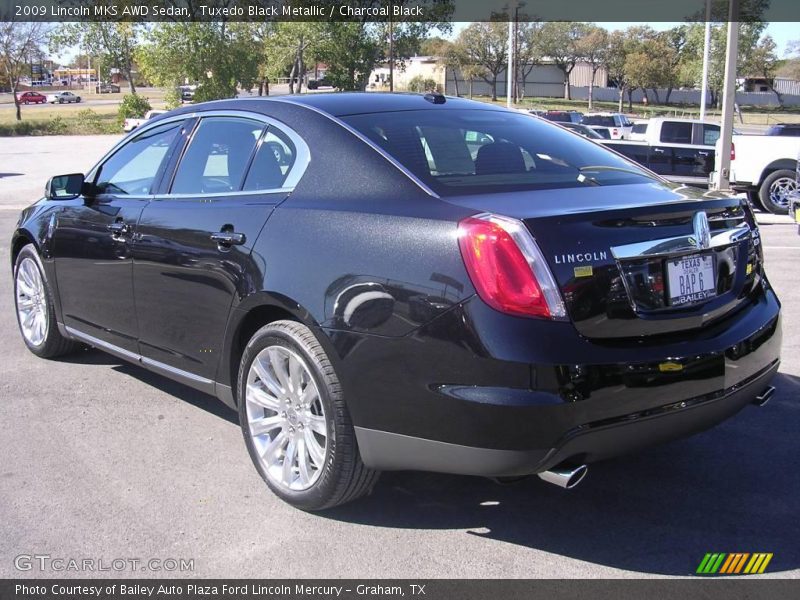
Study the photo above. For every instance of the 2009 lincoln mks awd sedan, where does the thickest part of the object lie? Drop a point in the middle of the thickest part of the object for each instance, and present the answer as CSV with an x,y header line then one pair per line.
x,y
381,282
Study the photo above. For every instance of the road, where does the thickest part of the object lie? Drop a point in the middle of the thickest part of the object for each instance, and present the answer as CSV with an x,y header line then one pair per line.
x,y
104,460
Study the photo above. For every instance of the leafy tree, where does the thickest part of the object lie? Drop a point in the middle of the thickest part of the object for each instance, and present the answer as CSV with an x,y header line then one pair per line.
x,y
485,46
620,45
649,64
19,41
763,62
749,34
114,44
676,39
214,55
528,53
561,42
593,47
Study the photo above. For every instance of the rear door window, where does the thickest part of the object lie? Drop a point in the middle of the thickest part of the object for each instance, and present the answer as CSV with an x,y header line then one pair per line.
x,y
272,163
676,132
710,135
217,156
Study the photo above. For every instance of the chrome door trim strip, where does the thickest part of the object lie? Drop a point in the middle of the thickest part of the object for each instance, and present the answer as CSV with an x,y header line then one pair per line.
x,y
679,244
175,371
134,357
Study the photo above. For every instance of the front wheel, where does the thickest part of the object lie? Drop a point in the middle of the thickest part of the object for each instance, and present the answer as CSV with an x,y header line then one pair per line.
x,y
295,422
776,189
36,314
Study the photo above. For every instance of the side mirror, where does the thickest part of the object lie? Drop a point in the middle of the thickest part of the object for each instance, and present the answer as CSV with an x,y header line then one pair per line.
x,y
65,187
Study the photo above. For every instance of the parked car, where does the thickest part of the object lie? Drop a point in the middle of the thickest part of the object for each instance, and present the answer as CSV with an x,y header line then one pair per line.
x,y
412,282
563,116
764,168
583,130
681,150
108,88
31,98
785,129
131,124
618,125
62,97
187,93
314,84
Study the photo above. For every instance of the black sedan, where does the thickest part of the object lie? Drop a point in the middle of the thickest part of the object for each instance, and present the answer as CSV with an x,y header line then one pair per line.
x,y
381,282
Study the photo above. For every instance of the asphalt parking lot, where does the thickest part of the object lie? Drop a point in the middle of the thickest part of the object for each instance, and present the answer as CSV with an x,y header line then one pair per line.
x,y
103,460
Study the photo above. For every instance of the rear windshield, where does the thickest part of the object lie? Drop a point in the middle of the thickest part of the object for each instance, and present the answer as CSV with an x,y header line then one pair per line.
x,y
459,152
598,120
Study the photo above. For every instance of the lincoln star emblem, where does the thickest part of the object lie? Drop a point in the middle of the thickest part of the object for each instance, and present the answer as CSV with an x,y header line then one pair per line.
x,y
702,232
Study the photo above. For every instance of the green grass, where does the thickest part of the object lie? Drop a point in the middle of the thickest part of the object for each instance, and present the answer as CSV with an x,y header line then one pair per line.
x,y
62,120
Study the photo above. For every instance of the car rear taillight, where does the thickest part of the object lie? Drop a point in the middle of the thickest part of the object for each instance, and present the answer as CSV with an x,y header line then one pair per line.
x,y
733,151
507,268
615,132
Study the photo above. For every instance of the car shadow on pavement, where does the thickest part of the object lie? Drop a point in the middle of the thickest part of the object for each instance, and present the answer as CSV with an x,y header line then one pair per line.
x,y
734,488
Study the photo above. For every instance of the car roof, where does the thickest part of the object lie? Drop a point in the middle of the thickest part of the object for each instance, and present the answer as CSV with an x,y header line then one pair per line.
x,y
339,104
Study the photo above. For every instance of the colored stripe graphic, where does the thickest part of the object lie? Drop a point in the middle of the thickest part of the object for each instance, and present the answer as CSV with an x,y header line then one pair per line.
x,y
734,563
758,563
711,563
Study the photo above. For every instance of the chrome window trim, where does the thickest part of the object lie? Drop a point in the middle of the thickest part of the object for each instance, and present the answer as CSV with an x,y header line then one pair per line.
x,y
366,140
301,161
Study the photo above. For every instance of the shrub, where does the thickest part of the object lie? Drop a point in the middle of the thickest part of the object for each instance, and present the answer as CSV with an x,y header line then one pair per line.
x,y
88,121
422,84
133,106
172,98
56,126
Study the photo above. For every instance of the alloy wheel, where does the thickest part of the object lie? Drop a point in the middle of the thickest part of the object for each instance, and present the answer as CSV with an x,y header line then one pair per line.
x,y
31,302
286,419
780,190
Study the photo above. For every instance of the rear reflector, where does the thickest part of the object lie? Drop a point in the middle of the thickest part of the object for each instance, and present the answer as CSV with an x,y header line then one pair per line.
x,y
507,268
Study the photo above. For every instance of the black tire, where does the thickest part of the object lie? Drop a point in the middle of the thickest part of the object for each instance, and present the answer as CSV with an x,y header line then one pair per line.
x,y
54,344
756,201
764,191
344,476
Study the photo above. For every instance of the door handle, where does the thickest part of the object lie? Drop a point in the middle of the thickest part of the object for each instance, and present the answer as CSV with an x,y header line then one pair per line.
x,y
118,228
702,152
228,238
658,150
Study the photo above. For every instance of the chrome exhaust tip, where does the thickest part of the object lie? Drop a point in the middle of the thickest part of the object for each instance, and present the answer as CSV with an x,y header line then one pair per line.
x,y
764,396
565,477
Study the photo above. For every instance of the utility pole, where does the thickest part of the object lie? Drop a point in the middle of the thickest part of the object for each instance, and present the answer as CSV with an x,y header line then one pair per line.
x,y
510,66
729,97
391,55
706,53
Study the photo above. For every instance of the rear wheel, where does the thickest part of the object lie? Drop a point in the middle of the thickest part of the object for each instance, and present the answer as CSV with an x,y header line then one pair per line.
x,y
776,189
295,422
35,309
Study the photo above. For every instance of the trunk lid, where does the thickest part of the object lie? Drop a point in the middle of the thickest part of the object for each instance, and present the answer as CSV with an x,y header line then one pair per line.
x,y
628,258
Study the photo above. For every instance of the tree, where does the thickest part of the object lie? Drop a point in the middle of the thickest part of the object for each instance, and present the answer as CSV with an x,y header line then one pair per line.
x,y
763,62
528,53
677,40
471,72
594,49
214,55
114,44
485,46
290,45
649,65
19,42
560,42
619,47
692,67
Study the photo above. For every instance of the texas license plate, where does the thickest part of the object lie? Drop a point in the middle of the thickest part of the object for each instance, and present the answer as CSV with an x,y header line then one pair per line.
x,y
691,279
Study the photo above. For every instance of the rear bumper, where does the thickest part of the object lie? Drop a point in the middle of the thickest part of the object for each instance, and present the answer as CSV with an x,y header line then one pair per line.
x,y
585,444
532,395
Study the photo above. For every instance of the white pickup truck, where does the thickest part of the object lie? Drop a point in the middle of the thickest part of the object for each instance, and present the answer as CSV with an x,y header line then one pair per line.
x,y
764,167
